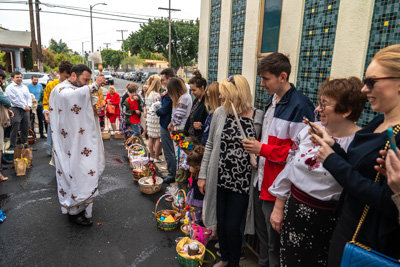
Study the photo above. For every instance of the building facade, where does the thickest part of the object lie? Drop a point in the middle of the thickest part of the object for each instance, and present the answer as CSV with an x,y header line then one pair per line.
x,y
322,38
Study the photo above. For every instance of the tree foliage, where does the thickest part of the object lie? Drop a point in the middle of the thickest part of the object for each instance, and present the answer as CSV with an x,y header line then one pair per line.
x,y
153,37
48,58
58,47
59,57
134,61
112,57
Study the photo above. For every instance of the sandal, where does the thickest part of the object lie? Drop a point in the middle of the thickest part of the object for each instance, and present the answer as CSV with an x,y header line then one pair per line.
x,y
3,178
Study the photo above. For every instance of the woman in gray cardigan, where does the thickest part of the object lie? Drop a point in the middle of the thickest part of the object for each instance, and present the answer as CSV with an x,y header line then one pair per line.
x,y
226,173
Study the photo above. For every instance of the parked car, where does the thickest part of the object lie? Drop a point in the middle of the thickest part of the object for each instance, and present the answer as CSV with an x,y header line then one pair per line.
x,y
107,75
44,78
138,76
146,75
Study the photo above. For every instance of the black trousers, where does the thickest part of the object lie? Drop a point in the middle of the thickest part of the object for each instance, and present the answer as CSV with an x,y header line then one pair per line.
x,y
20,122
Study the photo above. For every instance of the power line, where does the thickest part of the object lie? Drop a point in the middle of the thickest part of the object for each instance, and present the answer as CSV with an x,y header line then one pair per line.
x,y
77,15
103,12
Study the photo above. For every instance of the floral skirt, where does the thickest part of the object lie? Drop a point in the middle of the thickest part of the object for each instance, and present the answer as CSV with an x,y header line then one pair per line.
x,y
123,127
306,234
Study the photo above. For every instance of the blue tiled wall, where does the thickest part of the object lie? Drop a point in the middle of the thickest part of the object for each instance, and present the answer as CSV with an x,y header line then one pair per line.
x,y
317,43
213,46
385,31
238,20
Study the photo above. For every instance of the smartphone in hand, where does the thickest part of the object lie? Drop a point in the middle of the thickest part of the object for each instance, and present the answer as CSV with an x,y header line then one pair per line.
x,y
392,140
308,122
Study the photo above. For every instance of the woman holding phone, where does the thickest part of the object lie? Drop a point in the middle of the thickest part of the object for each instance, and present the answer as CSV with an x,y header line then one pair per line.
x,y
355,171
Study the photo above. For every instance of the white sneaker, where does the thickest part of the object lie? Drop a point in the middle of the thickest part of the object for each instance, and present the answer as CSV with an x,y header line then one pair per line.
x,y
164,168
158,160
151,159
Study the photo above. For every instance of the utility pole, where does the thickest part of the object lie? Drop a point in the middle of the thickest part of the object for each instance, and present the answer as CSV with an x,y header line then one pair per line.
x,y
99,49
33,38
39,36
106,45
83,52
169,30
123,45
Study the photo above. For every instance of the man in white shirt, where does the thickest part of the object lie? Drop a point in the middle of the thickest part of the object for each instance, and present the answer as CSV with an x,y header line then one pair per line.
x,y
21,104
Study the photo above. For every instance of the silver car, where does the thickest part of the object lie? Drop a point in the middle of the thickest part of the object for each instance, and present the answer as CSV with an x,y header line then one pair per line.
x,y
44,78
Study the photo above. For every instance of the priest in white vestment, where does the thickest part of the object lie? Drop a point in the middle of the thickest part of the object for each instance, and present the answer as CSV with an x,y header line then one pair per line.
x,y
77,143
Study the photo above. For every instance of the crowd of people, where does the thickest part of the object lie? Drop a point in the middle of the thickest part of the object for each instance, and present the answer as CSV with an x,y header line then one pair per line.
x,y
296,175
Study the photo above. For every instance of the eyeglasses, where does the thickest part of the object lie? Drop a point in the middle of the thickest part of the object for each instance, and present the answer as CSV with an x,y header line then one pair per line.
x,y
323,105
370,82
231,80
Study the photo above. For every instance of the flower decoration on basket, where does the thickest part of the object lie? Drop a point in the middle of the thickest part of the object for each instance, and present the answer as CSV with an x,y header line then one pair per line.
x,y
186,145
177,136
152,170
189,219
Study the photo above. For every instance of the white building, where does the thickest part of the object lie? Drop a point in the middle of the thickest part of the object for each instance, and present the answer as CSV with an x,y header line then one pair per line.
x,y
322,38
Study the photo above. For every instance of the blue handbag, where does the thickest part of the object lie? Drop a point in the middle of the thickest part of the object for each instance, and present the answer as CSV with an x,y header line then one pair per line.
x,y
356,254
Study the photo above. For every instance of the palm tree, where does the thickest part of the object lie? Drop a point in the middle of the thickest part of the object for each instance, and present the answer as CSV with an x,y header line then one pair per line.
x,y
58,47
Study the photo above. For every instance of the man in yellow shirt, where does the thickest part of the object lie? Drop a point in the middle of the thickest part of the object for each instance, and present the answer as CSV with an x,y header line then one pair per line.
x,y
64,71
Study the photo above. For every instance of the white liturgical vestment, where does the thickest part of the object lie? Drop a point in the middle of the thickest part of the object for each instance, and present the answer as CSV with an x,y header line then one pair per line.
x,y
77,147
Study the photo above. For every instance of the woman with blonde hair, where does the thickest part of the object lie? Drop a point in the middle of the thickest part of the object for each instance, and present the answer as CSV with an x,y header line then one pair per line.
x,y
355,171
226,174
152,120
212,102
112,99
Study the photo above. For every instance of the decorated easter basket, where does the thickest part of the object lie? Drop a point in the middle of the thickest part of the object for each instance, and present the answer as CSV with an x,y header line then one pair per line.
x,y
148,188
165,226
192,261
137,154
185,228
133,140
150,184
180,194
139,172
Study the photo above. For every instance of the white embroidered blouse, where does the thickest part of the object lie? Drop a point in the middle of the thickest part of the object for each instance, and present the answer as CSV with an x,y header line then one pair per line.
x,y
306,172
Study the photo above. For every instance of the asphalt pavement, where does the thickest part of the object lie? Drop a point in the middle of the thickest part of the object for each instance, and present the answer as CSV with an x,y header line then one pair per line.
x,y
124,231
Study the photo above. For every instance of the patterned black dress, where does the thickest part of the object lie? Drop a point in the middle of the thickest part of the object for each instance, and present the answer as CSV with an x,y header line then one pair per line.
x,y
234,168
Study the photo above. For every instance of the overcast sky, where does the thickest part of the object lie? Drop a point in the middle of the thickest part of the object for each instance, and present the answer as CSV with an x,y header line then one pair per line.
x,y
74,30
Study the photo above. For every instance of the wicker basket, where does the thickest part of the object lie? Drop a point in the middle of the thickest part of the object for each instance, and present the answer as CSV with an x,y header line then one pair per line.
x,y
150,189
106,135
192,261
31,137
135,157
138,174
133,140
181,193
183,231
119,136
166,226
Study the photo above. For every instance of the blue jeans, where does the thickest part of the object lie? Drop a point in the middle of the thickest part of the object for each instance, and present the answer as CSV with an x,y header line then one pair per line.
x,y
135,127
231,208
169,152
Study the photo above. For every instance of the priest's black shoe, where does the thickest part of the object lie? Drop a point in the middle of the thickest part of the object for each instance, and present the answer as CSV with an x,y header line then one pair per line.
x,y
80,219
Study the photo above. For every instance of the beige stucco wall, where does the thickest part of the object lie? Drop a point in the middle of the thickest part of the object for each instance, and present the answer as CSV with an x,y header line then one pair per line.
x,y
224,40
290,33
250,43
352,36
204,36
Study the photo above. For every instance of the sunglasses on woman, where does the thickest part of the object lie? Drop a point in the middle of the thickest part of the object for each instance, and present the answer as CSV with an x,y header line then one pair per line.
x,y
370,82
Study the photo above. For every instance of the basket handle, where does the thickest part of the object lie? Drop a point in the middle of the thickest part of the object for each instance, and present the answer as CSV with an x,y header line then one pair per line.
x,y
158,201
204,261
